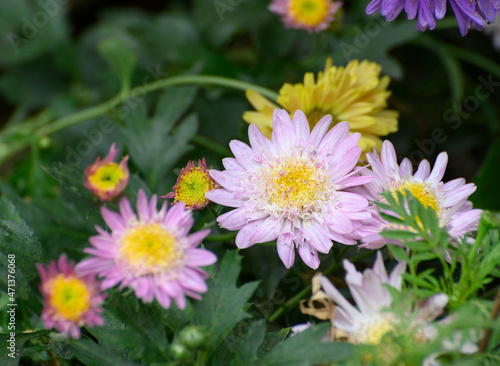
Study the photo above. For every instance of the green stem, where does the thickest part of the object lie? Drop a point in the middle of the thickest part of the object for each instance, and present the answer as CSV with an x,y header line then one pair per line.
x,y
221,237
42,126
473,58
148,88
296,299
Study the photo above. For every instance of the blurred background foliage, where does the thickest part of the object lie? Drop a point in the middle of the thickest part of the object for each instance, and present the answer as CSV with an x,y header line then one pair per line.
x,y
54,61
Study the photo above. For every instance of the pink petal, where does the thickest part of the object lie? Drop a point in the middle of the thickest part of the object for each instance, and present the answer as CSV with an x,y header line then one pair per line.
x,y
196,238
286,250
259,142
233,220
200,257
283,132
339,132
423,170
224,197
309,255
225,179
244,154
302,130
439,168
113,220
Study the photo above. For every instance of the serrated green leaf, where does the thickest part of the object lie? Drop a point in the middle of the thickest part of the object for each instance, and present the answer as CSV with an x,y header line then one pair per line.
x,y
120,57
246,354
172,104
93,354
224,305
398,235
71,178
154,145
306,349
144,323
8,211
176,319
6,353
19,239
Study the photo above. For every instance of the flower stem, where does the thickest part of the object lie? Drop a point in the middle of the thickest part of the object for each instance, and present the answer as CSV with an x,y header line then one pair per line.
x,y
148,88
33,127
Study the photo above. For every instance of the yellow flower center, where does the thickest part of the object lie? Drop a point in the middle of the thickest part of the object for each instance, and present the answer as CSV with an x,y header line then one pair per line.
x,y
422,192
192,187
309,12
294,186
107,177
374,331
149,248
70,297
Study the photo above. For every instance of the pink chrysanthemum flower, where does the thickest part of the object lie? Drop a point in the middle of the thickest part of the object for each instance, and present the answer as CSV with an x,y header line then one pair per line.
x,y
311,15
71,300
152,253
105,178
371,321
449,200
192,184
292,188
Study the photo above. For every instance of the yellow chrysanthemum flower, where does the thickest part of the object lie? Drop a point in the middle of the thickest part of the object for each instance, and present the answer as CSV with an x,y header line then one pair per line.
x,y
355,93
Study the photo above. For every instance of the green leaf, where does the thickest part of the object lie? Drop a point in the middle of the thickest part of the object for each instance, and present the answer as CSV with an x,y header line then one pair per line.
x,y
398,252
19,239
420,257
121,58
306,349
398,235
155,145
144,327
93,354
224,305
6,353
418,246
21,287
8,210
71,178
246,354
392,219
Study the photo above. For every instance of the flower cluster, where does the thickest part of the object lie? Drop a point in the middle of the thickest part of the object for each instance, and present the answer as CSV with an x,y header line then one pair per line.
x,y
303,189
467,12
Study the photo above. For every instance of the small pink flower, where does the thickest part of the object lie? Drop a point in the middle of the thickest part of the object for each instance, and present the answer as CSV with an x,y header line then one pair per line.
x,y
151,252
292,189
105,178
311,15
192,184
71,300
